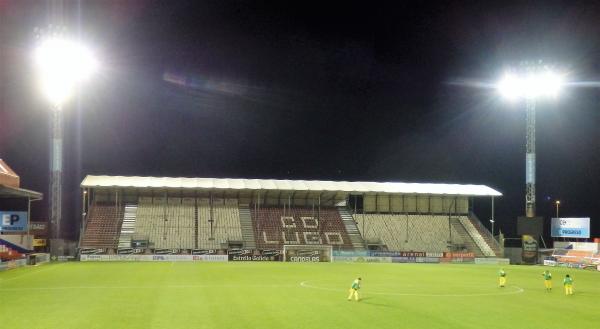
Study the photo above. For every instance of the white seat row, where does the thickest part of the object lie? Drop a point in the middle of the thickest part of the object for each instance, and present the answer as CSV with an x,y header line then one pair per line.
x,y
225,218
408,232
168,223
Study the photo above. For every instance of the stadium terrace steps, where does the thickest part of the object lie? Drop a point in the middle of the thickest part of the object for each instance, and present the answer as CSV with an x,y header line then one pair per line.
x,y
103,226
486,234
469,244
247,229
407,232
477,238
196,227
276,226
128,226
357,241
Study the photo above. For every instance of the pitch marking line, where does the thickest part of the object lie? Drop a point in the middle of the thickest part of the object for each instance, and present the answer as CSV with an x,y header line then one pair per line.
x,y
153,287
305,284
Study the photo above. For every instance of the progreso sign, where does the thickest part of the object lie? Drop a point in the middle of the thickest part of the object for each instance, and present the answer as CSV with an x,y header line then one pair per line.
x,y
571,227
13,221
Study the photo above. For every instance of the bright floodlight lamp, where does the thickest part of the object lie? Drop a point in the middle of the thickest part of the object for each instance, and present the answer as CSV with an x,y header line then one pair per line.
x,y
62,64
531,85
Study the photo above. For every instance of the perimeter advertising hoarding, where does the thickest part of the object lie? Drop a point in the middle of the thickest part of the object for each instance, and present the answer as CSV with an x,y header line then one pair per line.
x,y
13,221
492,261
249,255
362,259
397,253
571,227
126,251
208,252
153,258
402,259
306,256
89,251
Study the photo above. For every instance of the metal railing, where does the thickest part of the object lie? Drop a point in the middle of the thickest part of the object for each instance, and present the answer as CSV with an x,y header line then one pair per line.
x,y
484,231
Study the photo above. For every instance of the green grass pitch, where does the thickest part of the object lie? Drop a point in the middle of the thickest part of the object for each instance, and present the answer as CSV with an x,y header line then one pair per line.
x,y
290,295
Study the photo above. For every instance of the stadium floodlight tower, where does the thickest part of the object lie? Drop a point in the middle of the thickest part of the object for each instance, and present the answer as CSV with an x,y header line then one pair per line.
x,y
531,83
62,64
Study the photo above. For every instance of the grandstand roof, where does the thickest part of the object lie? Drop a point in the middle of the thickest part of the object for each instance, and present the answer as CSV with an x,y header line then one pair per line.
x,y
92,181
14,192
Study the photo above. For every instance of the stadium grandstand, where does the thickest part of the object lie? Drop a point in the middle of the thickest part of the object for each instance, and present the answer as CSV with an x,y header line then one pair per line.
x,y
17,238
187,215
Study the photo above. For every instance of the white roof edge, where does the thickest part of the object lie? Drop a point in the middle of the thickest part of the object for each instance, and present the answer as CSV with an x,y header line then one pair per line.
x,y
94,181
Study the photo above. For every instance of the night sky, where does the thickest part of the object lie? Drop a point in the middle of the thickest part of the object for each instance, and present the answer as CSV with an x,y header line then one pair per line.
x,y
343,90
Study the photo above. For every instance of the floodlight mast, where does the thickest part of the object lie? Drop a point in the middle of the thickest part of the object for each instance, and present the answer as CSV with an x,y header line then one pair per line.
x,y
62,64
530,160
56,171
536,82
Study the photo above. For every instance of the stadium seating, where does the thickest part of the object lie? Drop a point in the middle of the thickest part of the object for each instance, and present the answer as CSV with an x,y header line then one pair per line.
x,y
576,256
225,223
189,223
166,223
103,226
408,232
7,253
276,226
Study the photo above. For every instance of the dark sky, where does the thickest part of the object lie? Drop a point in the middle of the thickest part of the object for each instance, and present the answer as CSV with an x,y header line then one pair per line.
x,y
300,90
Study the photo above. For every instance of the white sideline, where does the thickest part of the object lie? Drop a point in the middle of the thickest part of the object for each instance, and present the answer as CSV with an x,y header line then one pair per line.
x,y
153,287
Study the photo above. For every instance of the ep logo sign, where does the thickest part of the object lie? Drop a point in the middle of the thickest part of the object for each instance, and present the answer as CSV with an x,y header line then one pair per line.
x,y
13,221
9,219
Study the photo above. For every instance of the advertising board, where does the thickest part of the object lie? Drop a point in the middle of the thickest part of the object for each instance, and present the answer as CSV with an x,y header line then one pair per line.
x,y
570,227
249,255
529,252
415,259
38,228
153,258
38,242
492,261
397,253
362,259
13,221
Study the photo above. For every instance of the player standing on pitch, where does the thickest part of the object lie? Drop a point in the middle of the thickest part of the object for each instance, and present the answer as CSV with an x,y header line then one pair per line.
x,y
568,282
354,289
501,278
547,280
